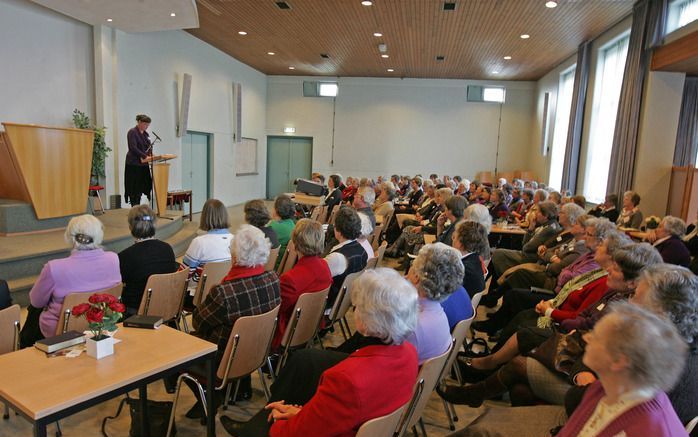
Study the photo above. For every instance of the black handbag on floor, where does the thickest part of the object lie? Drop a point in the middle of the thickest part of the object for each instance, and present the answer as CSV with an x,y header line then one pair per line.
x,y
158,417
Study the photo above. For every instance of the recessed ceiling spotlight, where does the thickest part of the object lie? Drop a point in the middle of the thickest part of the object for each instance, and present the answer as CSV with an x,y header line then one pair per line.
x,y
271,53
172,14
507,57
367,2
385,56
550,4
242,32
525,36
377,34
495,72
109,20
390,70
292,68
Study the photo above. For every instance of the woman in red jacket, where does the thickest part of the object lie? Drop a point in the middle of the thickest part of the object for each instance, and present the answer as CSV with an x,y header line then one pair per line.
x,y
310,273
372,382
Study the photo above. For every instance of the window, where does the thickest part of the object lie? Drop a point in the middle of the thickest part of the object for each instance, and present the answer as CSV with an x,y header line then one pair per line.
x,y
680,13
562,123
609,79
493,94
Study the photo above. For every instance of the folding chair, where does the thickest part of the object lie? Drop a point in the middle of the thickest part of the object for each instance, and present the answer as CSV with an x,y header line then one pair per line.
x,y
273,256
342,304
459,334
384,426
288,260
9,337
66,322
164,296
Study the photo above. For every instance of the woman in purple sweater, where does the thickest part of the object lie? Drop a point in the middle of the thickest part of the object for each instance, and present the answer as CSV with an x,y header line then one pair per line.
x,y
88,269
637,356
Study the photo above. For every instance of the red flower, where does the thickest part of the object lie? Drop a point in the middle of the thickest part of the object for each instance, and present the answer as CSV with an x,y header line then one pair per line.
x,y
110,299
502,213
117,307
95,315
98,298
81,309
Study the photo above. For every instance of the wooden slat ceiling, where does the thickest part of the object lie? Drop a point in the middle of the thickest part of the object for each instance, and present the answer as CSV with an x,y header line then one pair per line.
x,y
474,38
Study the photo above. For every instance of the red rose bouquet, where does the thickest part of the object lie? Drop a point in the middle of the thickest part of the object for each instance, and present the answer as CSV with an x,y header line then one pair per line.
x,y
102,312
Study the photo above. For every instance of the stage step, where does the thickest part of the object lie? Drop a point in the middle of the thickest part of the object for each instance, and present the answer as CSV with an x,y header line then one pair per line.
x,y
17,217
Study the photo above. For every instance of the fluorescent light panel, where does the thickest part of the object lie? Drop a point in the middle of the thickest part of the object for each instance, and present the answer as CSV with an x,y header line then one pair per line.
x,y
328,89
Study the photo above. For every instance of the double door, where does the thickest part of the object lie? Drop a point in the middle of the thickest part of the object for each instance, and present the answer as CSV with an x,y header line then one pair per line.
x,y
288,158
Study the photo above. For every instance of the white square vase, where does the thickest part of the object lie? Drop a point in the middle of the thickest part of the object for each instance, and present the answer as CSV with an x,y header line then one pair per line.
x,y
100,348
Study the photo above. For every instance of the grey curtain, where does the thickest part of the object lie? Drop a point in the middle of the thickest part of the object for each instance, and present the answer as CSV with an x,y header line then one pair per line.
x,y
687,134
574,133
646,30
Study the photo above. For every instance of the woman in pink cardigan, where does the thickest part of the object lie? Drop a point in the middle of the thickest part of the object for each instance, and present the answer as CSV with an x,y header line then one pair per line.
x,y
637,356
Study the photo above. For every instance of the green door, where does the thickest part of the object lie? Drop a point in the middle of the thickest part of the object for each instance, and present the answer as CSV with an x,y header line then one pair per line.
x,y
195,167
288,158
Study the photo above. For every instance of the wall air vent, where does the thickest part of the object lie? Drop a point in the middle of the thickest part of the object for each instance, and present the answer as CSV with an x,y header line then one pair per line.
x,y
283,5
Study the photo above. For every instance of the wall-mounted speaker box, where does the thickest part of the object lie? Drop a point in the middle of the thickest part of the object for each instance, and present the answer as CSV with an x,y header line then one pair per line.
x,y
184,105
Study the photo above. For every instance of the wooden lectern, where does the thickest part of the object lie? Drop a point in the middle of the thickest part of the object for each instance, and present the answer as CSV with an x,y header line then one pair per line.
x,y
47,167
161,177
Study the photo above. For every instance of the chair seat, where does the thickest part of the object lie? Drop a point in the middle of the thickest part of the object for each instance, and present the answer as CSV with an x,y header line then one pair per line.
x,y
96,187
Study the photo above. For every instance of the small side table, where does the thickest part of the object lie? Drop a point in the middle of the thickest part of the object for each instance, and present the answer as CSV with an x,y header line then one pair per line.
x,y
178,198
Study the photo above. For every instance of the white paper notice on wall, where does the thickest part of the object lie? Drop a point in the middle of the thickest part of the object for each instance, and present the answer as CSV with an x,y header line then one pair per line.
x,y
237,112
246,157
185,93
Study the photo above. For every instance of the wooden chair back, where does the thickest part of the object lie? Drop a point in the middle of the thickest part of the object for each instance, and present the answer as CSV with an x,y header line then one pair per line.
x,y
374,238
248,345
9,329
475,301
288,260
343,301
330,219
273,256
430,373
381,253
371,263
305,318
458,335
68,323
212,275
388,218
319,213
428,238
384,426
164,295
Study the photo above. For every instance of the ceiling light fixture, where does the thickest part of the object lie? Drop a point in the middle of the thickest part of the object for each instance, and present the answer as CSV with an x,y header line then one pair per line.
x,y
242,32
172,14
390,70
550,4
377,34
367,3
507,57
495,72
291,68
385,56
109,20
271,53
525,36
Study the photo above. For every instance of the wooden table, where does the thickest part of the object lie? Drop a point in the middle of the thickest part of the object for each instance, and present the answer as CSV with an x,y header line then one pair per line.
x,y
508,230
45,390
305,199
507,237
178,198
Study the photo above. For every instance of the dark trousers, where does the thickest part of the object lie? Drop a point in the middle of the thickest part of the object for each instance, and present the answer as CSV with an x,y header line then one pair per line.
x,y
31,331
5,298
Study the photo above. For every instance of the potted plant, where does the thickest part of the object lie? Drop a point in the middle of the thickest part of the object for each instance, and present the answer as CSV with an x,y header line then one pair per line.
x,y
99,146
102,312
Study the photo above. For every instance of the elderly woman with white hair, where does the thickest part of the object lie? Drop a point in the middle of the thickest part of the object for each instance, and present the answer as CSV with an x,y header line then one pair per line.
x,y
668,239
89,268
322,392
366,231
247,290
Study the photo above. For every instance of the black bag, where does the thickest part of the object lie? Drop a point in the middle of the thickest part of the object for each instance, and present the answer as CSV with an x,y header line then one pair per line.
x,y
158,417
470,352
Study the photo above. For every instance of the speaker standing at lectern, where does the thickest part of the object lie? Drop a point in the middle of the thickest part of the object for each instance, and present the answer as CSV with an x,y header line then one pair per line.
x,y
137,179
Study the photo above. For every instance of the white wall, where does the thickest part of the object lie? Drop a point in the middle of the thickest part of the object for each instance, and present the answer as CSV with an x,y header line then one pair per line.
x,y
405,126
148,68
47,66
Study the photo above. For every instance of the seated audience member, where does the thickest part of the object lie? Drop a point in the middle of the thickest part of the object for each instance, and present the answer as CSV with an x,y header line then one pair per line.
x,y
309,274
454,208
667,238
519,208
555,197
214,245
146,257
529,220
413,231
351,389
247,290
363,201
349,190
5,298
607,209
284,221
580,200
457,305
348,256
479,214
630,216
366,231
485,197
691,241
88,269
334,198
384,203
470,239
512,369
257,215
461,190
415,197
499,209
637,356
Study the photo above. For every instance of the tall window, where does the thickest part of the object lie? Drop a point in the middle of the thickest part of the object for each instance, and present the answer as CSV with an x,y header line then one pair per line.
x,y
609,79
562,123
681,12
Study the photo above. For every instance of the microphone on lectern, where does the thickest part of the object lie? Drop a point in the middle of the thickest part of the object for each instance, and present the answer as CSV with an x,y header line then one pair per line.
x,y
156,136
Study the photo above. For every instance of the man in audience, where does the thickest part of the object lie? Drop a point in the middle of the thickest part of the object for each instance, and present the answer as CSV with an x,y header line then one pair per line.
x,y
347,256
363,202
